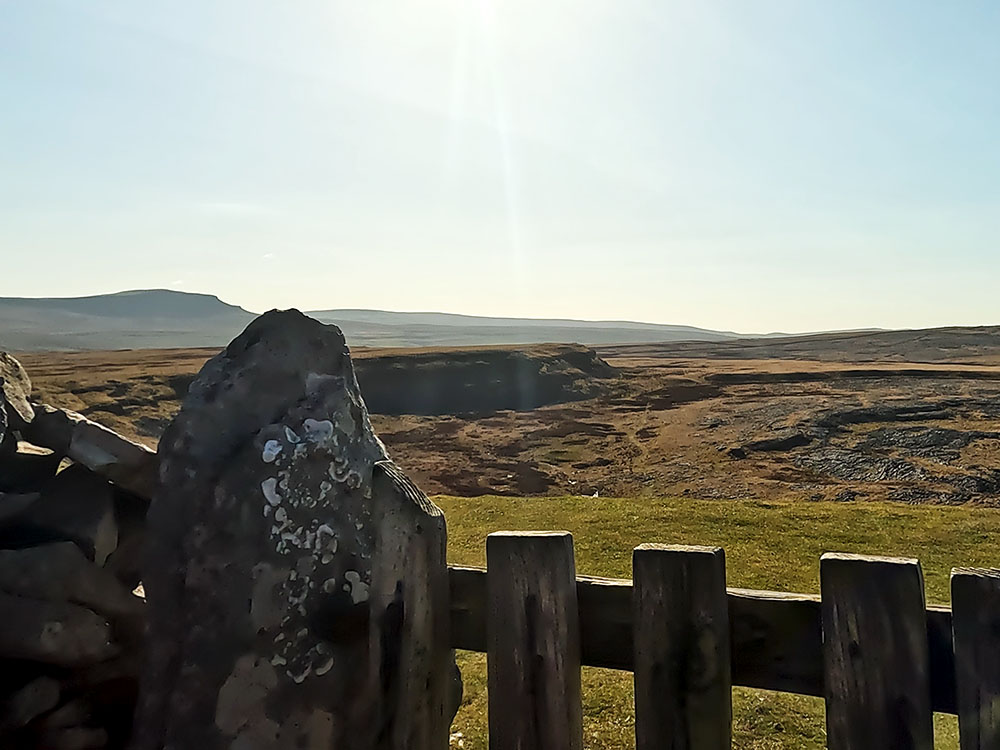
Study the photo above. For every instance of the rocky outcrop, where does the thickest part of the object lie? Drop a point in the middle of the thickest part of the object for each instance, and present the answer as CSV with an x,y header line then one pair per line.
x,y
784,440
480,381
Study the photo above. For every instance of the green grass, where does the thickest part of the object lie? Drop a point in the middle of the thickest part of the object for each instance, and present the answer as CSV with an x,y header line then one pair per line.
x,y
768,546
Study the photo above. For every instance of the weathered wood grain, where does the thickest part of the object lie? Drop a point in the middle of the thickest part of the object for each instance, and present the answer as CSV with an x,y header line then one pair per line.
x,y
776,637
975,601
411,660
683,690
533,642
875,653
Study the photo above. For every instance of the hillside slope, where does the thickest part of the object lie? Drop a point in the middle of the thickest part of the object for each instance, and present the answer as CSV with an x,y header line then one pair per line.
x,y
161,318
140,319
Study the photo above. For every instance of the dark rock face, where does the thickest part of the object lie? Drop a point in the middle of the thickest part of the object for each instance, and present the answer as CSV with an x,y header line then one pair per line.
x,y
76,505
858,466
906,412
264,537
28,472
939,443
481,380
784,441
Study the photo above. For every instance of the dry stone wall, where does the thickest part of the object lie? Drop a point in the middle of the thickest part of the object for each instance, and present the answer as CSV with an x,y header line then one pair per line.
x,y
71,522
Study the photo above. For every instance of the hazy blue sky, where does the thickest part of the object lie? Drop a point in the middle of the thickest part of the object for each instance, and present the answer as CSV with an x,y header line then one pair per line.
x,y
751,165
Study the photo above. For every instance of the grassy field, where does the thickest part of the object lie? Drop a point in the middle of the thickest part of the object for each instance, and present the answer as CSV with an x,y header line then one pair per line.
x,y
768,546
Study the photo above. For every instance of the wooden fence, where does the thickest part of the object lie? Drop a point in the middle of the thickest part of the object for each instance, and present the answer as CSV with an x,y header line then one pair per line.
x,y
869,645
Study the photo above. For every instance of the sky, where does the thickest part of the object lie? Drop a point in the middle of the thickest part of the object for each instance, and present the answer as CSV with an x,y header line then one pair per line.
x,y
775,165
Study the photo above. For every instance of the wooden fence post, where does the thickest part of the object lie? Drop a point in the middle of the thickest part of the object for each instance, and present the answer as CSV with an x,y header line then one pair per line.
x,y
683,688
533,642
410,658
975,605
875,654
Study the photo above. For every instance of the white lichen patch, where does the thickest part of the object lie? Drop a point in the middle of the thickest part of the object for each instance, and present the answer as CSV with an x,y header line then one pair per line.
x,y
270,489
318,431
317,523
272,448
299,676
326,542
323,667
357,588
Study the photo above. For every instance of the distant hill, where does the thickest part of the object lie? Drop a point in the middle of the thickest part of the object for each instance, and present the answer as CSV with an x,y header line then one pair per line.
x,y
161,318
382,328
164,319
141,319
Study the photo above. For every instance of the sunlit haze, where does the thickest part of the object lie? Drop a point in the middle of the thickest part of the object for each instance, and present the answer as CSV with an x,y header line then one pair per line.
x,y
750,166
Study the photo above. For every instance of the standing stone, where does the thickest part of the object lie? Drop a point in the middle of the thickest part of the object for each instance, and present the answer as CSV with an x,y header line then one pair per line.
x,y
263,530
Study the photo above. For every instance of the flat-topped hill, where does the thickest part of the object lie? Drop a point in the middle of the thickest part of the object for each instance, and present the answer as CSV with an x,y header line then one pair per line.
x,y
127,320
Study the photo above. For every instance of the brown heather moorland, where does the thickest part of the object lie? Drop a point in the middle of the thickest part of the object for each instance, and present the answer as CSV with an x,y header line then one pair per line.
x,y
677,419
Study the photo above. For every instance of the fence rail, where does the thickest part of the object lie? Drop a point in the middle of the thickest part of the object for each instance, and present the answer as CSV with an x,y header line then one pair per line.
x,y
869,645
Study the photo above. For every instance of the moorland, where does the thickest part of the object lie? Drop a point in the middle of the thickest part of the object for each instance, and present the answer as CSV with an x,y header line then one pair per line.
x,y
871,416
